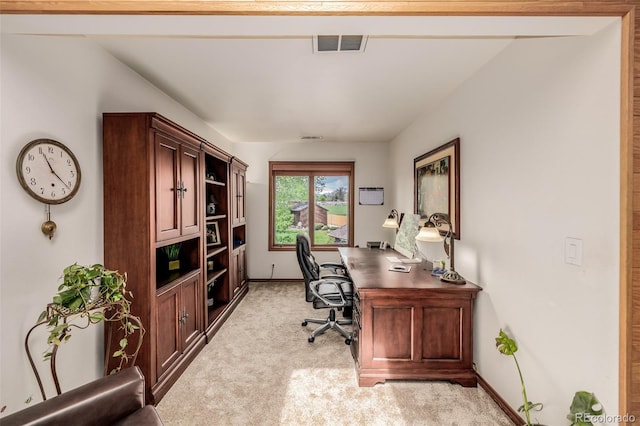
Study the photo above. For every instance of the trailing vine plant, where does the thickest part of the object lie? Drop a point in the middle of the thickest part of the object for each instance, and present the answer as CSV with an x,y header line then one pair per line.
x,y
95,294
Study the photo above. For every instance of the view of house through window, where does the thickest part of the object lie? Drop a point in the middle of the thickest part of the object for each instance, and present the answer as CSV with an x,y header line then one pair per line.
x,y
316,198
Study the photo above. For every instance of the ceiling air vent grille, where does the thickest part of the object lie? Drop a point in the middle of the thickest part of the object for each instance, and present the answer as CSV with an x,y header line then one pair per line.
x,y
339,43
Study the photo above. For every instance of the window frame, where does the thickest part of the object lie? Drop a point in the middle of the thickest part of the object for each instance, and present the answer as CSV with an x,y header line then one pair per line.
x,y
311,169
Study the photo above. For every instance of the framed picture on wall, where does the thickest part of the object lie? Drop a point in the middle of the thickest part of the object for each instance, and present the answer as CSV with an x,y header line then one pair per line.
x,y
437,183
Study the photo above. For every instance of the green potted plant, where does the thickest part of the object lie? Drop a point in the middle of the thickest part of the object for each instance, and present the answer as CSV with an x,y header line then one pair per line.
x,y
95,294
172,252
585,407
507,346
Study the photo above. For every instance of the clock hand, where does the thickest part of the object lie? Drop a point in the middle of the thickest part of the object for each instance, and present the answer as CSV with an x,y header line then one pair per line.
x,y
53,171
48,163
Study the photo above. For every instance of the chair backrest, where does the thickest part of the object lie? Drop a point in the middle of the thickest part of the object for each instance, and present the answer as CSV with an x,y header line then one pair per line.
x,y
308,266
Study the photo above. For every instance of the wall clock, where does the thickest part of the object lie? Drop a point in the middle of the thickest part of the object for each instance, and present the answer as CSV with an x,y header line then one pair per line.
x,y
49,172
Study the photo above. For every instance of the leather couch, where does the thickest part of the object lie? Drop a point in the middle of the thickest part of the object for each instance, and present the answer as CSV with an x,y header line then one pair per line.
x,y
117,399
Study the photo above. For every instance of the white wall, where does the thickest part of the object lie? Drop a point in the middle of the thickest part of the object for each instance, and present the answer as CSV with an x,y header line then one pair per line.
x,y
58,88
371,169
539,129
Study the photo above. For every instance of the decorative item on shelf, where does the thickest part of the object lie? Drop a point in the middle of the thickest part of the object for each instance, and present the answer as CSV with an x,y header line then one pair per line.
x,y
213,234
211,207
210,265
211,175
92,294
172,251
210,298
393,220
432,232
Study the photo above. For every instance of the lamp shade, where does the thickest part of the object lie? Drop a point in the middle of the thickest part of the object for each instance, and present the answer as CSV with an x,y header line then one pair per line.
x,y
390,222
429,234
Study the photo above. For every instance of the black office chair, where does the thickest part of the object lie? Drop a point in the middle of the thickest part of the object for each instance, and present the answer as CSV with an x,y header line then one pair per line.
x,y
325,287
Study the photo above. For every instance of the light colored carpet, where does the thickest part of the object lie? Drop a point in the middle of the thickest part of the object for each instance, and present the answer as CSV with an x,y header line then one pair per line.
x,y
259,369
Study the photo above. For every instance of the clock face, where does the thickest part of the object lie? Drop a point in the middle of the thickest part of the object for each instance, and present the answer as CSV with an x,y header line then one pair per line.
x,y
48,171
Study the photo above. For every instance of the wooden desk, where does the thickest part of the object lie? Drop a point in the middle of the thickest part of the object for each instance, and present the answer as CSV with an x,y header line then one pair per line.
x,y
408,325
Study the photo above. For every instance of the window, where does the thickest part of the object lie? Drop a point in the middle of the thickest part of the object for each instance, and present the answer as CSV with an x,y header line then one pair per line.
x,y
312,197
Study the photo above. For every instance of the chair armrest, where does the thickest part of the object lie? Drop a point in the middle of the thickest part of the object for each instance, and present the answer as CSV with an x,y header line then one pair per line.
x,y
336,268
328,275
337,284
101,402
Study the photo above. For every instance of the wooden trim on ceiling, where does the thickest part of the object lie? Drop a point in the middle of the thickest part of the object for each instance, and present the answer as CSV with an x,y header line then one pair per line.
x,y
214,7
629,380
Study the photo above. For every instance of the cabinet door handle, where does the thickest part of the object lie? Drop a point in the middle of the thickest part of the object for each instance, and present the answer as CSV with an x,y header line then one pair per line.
x,y
181,189
183,318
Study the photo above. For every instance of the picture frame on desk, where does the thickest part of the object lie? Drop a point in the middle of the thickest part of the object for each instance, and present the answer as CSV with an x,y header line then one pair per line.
x,y
437,183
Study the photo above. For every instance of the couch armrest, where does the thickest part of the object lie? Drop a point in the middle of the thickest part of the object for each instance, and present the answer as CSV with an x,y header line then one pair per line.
x,y
101,402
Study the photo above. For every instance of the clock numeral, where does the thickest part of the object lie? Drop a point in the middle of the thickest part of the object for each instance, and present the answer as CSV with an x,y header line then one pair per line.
x,y
32,181
68,160
50,150
41,191
53,194
72,173
64,191
31,157
27,169
69,184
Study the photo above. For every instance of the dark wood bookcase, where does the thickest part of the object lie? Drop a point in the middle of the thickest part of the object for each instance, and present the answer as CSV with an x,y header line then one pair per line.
x,y
167,187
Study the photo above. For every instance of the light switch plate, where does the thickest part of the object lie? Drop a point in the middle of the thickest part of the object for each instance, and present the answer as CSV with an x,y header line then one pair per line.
x,y
573,251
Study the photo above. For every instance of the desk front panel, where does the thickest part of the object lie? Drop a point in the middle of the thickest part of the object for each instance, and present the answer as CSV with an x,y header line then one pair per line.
x,y
409,325
429,332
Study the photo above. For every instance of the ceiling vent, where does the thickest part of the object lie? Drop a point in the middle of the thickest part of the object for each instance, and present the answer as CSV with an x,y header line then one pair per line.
x,y
339,43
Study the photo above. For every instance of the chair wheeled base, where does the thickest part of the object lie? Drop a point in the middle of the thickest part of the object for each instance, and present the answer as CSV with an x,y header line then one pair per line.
x,y
329,323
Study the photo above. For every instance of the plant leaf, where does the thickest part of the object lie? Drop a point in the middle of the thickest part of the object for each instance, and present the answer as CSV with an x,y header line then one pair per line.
x,y
505,344
96,316
584,405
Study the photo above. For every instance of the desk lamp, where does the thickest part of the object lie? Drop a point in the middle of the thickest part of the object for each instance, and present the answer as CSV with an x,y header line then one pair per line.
x,y
431,233
393,220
